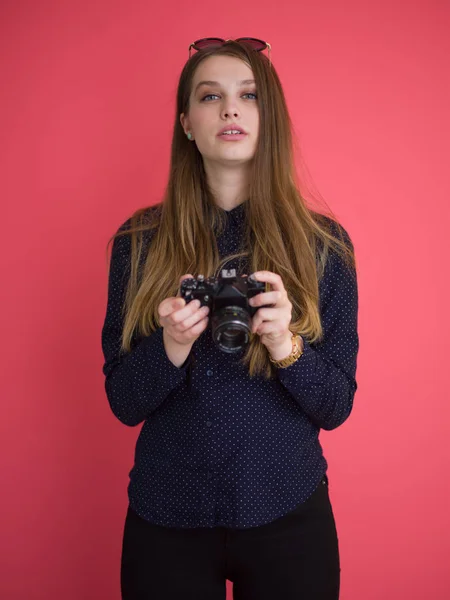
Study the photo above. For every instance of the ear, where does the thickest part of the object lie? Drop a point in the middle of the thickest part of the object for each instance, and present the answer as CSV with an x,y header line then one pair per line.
x,y
184,122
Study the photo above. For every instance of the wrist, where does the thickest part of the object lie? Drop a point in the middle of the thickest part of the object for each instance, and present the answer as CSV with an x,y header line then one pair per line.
x,y
173,342
295,354
282,350
177,353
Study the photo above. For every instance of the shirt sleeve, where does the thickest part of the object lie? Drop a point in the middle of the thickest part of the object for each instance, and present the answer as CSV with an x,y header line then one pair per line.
x,y
137,382
322,380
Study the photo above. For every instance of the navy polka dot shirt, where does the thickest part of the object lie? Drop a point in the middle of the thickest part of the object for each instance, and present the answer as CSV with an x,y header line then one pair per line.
x,y
217,448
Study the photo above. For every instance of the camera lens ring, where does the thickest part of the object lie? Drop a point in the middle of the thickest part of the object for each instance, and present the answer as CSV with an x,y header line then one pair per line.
x,y
231,328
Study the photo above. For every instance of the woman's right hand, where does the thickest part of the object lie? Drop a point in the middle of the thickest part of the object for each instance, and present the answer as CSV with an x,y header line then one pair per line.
x,y
182,322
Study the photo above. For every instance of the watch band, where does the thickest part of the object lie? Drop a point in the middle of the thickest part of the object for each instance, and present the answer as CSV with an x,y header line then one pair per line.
x,y
293,356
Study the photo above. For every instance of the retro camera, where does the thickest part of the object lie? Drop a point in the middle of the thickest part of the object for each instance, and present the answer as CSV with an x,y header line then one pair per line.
x,y
227,297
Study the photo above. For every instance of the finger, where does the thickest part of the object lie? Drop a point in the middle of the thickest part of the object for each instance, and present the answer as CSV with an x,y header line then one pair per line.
x,y
273,278
270,327
266,298
170,305
180,315
193,332
192,320
269,314
196,329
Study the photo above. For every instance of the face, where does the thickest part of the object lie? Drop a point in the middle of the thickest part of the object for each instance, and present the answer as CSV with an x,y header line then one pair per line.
x,y
222,104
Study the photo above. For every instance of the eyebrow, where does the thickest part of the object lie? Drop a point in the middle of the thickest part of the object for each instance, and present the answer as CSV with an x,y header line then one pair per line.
x,y
212,83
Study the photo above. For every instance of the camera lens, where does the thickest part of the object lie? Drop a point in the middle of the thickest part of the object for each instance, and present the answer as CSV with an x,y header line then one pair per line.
x,y
231,328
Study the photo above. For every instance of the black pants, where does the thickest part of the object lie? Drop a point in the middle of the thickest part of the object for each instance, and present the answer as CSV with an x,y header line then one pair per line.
x,y
294,557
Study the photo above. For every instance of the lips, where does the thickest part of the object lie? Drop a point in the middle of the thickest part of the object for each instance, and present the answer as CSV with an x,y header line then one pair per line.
x,y
231,128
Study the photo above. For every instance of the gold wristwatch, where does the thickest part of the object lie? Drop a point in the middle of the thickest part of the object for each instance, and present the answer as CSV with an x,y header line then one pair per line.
x,y
293,356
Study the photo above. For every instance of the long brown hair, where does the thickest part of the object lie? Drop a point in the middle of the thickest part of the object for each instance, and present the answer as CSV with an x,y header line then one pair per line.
x,y
283,234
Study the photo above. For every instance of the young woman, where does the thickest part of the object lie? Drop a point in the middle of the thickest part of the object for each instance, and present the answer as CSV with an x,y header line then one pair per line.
x,y
229,478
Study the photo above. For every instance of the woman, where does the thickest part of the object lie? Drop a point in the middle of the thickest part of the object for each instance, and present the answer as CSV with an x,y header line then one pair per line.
x,y
229,479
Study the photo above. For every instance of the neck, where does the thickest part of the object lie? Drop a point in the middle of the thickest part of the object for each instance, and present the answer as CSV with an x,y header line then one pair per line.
x,y
229,186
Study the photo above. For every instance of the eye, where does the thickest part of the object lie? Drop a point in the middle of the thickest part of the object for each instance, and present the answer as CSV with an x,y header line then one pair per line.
x,y
247,94
208,96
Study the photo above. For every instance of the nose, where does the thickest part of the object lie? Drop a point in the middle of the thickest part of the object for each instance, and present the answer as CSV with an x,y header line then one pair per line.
x,y
229,110
228,113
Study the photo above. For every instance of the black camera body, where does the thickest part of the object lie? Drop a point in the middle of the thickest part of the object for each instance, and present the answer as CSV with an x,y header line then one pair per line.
x,y
227,297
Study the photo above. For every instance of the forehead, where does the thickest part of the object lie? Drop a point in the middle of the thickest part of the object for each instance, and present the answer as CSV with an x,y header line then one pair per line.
x,y
226,70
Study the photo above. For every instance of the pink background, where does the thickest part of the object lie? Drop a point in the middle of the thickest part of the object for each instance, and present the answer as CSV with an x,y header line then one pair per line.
x,y
87,106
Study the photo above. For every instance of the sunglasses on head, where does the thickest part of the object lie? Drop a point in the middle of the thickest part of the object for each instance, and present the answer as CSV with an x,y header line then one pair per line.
x,y
256,44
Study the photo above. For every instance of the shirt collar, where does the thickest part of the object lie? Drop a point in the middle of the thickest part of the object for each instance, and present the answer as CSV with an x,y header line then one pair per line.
x,y
236,214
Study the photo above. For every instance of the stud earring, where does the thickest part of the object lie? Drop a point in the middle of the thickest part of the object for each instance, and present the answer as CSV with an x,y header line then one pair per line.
x,y
189,135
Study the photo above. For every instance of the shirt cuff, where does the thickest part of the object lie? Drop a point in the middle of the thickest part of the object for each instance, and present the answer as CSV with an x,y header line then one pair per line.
x,y
303,371
160,363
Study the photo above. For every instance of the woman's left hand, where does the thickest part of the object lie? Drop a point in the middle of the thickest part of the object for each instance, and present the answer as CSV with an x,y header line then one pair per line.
x,y
272,323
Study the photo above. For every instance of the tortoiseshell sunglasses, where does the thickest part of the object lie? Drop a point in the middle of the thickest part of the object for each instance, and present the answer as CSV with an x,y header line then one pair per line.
x,y
256,44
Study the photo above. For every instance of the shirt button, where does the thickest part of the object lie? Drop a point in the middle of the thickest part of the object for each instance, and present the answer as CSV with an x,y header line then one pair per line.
x,y
209,373
208,423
